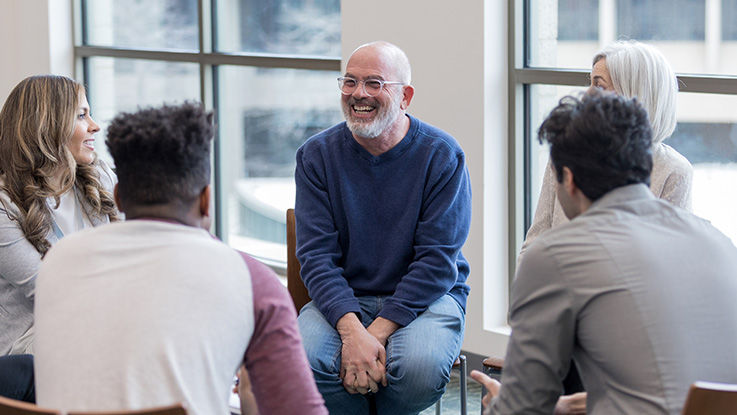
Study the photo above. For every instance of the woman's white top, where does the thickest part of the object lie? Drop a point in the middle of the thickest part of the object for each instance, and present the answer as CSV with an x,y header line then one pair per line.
x,y
70,215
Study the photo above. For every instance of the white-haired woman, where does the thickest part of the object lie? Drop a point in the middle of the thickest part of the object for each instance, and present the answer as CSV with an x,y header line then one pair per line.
x,y
632,69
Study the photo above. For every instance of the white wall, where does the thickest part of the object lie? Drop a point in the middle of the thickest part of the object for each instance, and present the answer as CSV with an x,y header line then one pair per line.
x,y
460,78
35,38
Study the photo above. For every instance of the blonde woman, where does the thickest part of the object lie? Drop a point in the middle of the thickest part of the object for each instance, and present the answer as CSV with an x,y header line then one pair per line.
x,y
51,184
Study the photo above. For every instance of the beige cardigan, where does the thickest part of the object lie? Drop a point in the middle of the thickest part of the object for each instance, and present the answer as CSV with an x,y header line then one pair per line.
x,y
670,180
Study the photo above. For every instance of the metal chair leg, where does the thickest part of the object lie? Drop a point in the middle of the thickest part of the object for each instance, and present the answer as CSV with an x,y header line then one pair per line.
x,y
464,385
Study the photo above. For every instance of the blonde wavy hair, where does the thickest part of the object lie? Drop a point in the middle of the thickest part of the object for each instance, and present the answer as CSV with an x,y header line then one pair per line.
x,y
36,126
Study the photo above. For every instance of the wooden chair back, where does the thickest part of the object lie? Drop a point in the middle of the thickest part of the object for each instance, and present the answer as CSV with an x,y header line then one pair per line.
x,y
295,285
708,398
12,407
493,367
175,409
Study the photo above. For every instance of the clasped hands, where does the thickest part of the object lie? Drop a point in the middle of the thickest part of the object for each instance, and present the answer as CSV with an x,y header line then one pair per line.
x,y
363,355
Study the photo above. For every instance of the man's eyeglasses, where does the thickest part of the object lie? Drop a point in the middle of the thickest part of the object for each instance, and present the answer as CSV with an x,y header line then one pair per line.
x,y
371,87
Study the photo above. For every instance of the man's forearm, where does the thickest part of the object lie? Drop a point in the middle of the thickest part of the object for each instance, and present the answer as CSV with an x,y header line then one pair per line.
x,y
348,324
382,328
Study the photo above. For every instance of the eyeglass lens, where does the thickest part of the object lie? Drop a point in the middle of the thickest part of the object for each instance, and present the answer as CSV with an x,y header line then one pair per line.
x,y
371,87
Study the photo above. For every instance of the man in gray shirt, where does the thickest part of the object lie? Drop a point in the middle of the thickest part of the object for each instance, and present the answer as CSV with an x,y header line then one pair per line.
x,y
640,293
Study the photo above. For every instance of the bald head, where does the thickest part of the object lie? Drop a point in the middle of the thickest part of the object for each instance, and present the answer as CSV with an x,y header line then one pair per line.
x,y
390,55
377,118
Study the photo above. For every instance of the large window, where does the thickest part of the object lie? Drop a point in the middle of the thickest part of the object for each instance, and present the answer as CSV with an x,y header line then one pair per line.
x,y
552,57
697,36
268,70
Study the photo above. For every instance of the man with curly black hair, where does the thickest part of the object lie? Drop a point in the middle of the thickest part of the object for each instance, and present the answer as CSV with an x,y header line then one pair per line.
x,y
622,288
154,310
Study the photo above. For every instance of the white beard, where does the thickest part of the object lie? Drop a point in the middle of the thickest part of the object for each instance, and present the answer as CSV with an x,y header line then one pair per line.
x,y
385,116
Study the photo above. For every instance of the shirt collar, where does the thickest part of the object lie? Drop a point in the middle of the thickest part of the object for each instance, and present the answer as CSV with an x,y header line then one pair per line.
x,y
623,194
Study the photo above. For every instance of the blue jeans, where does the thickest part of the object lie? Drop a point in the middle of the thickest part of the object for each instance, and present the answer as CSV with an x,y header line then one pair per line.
x,y
16,377
419,357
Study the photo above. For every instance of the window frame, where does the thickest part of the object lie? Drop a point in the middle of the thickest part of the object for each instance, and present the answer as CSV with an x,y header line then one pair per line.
x,y
208,61
521,76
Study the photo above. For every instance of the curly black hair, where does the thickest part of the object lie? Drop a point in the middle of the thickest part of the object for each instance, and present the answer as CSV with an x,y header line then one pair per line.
x,y
162,155
604,139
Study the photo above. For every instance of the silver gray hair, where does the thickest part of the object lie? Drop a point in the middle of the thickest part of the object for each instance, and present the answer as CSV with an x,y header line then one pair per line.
x,y
640,70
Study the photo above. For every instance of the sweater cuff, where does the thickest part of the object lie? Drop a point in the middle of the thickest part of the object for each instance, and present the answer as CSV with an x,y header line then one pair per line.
x,y
400,315
337,311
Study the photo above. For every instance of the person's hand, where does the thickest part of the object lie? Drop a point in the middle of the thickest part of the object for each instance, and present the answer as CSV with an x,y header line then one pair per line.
x,y
363,358
243,389
382,328
492,389
571,404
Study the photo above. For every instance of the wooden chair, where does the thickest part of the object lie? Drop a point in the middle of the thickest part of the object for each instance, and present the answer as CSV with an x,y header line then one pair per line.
x,y
300,297
175,409
295,285
493,367
12,407
708,398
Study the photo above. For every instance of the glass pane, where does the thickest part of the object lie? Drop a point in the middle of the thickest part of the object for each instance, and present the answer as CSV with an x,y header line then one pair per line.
x,y
707,136
279,26
586,15
117,85
543,98
693,37
142,24
729,19
661,19
265,115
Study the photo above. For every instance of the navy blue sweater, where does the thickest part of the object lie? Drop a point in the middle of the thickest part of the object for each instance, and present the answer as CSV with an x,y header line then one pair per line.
x,y
392,224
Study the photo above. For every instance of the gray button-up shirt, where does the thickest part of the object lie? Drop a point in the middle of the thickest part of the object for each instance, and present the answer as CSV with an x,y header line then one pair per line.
x,y
642,295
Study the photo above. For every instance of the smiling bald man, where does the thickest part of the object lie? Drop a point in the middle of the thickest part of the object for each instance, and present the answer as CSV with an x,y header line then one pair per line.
x,y
383,208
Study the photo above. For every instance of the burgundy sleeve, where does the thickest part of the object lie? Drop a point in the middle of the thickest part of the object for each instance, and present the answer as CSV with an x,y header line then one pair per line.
x,y
277,365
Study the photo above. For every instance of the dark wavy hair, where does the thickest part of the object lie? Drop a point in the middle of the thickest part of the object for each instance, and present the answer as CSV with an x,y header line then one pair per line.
x,y
162,155
603,138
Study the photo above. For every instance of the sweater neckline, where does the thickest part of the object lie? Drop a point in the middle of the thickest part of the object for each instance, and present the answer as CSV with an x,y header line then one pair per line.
x,y
393,153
